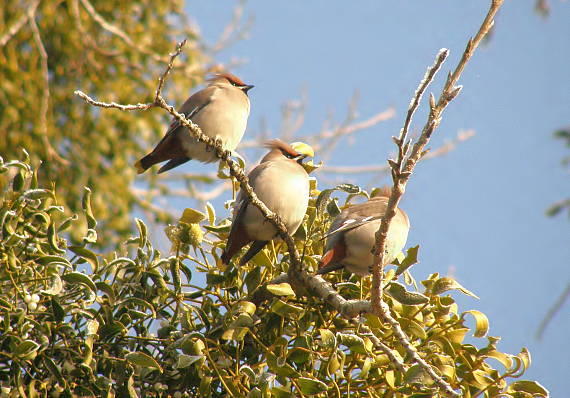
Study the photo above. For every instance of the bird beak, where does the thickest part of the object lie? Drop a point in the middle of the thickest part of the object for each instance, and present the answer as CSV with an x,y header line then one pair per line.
x,y
246,88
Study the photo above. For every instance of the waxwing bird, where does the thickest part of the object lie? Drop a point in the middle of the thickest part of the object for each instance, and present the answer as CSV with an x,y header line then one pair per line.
x,y
281,182
351,237
221,110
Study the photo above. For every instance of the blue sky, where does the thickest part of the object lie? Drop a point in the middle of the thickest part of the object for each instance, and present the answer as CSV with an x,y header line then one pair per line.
x,y
480,209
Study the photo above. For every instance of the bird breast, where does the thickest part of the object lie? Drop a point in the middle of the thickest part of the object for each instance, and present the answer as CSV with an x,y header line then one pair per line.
x,y
360,242
224,117
284,188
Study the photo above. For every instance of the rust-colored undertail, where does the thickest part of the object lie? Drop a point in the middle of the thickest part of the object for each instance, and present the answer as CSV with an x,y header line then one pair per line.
x,y
332,258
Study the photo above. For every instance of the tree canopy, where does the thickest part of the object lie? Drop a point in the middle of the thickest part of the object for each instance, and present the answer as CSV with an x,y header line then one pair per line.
x,y
89,307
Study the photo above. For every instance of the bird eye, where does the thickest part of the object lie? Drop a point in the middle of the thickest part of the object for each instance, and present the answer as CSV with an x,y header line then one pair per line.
x,y
288,155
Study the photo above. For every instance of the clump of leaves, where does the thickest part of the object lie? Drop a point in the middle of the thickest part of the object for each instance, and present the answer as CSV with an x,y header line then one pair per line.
x,y
113,50
77,322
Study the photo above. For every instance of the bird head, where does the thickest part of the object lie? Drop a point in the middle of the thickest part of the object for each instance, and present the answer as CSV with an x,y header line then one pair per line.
x,y
304,150
228,78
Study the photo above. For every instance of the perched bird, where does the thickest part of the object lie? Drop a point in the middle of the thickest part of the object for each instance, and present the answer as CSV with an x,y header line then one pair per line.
x,y
220,110
281,182
352,235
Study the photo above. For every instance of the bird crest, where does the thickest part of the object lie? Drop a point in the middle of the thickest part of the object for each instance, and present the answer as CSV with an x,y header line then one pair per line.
x,y
233,79
281,145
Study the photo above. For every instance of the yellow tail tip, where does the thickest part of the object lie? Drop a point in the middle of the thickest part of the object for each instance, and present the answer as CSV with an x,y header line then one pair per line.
x,y
139,167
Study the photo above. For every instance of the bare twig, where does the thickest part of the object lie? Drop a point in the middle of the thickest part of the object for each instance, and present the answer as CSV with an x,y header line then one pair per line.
x,y
395,360
399,180
402,170
552,311
51,153
128,107
19,24
235,170
118,32
296,275
234,30
354,127
446,147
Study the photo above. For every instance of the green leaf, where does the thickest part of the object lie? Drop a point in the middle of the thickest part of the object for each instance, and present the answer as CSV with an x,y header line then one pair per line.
x,y
531,387
411,259
333,209
245,307
481,322
52,239
191,216
281,289
26,347
183,360
261,259
144,360
445,283
78,277
135,301
311,386
143,235
280,392
524,356
280,368
287,310
5,304
92,327
416,375
253,279
398,292
55,371
211,213
412,327
90,236
348,188
219,229
44,260
328,338
322,199
57,310
88,255
56,286
355,343
66,223
86,204
38,194
107,289
504,359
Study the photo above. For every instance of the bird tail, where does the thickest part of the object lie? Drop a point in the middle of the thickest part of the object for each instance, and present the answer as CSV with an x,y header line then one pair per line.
x,y
330,260
144,163
252,251
238,238
149,160
173,163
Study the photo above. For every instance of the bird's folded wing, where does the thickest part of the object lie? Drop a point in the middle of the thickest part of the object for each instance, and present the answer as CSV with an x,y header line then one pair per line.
x,y
352,223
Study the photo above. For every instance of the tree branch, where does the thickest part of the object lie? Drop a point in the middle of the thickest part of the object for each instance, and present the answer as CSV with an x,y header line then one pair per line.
x,y
19,24
403,168
235,170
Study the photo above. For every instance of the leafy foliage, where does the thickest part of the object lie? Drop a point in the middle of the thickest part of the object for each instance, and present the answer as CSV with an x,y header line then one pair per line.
x,y
77,322
112,49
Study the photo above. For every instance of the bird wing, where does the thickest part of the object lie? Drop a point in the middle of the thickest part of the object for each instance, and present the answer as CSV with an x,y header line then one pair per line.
x,y
236,224
193,106
360,214
241,203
